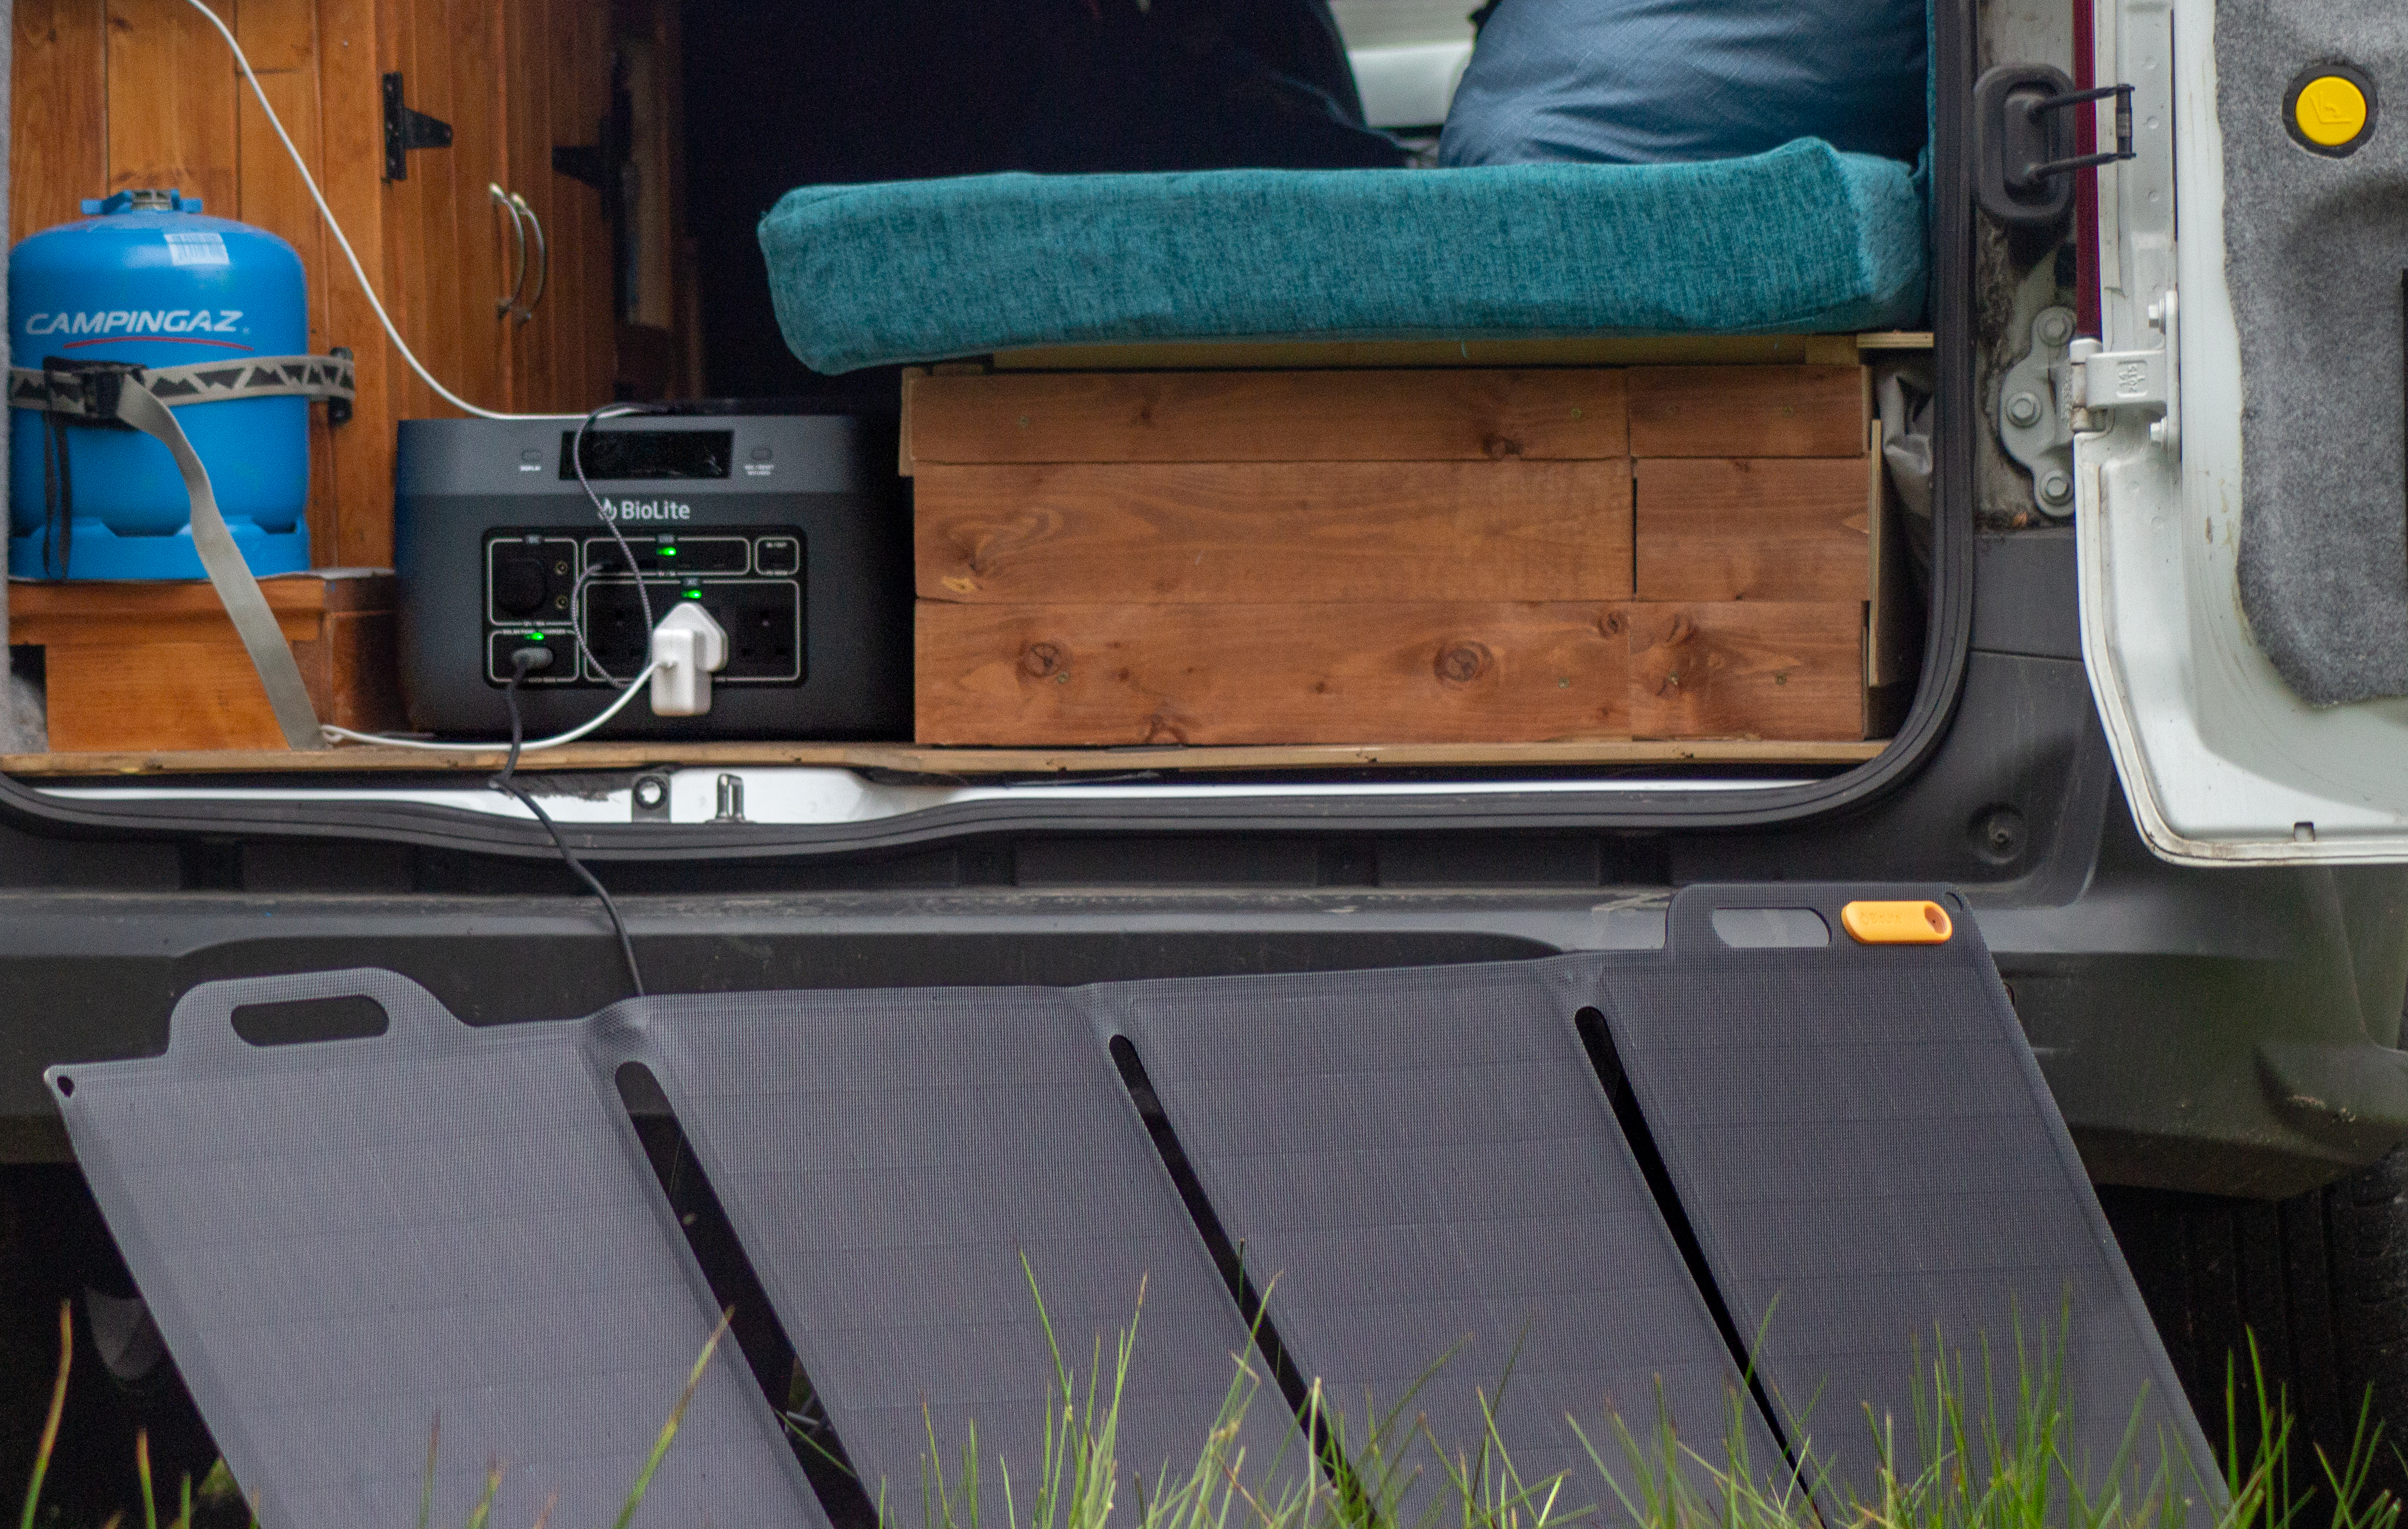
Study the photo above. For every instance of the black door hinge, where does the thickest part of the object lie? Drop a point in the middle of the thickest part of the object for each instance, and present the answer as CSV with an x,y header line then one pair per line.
x,y
2026,144
405,130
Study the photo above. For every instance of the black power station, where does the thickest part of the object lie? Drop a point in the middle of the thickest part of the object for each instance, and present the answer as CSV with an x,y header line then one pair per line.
x,y
790,530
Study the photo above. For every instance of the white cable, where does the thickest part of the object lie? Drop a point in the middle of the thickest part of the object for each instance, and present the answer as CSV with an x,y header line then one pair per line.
x,y
336,229
635,686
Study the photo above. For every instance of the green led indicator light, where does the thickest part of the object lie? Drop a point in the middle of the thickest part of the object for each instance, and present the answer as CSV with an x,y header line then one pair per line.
x,y
668,551
694,594
534,636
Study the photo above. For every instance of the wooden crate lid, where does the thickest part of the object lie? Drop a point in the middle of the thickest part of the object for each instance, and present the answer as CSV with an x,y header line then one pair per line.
x,y
1275,353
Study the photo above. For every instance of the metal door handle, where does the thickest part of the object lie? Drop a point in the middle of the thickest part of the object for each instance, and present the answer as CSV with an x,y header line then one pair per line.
x,y
511,204
542,254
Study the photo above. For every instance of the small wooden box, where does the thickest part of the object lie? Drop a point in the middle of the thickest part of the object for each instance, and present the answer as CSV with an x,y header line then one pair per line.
x,y
1469,556
156,665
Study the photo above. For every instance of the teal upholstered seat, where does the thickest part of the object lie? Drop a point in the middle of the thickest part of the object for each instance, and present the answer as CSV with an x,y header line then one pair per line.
x,y
1804,238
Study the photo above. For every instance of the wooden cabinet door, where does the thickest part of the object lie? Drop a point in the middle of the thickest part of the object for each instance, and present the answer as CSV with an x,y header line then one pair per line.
x,y
450,249
559,90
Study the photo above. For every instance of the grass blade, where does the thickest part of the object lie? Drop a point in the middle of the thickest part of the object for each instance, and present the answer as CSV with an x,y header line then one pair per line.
x,y
50,1424
426,1484
484,1508
669,1428
142,1476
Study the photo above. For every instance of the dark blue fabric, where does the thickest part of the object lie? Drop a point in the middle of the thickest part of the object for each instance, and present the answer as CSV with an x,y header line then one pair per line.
x,y
1647,81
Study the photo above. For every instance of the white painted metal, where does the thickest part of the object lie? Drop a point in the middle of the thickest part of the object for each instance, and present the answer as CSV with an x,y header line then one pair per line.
x,y
2223,763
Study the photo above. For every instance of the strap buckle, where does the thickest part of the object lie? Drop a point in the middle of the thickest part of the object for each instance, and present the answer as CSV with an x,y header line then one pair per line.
x,y
88,390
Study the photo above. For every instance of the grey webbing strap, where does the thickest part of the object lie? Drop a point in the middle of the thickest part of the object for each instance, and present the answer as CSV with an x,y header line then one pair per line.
x,y
245,602
328,377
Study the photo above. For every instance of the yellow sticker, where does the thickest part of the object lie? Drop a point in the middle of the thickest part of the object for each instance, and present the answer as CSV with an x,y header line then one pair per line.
x,y
1896,923
2331,110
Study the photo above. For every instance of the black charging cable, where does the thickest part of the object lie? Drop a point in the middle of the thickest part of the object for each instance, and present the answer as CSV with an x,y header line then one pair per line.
x,y
506,782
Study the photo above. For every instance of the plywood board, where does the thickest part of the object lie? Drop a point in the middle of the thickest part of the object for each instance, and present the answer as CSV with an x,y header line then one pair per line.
x,y
1767,529
1533,350
1269,416
171,102
475,262
914,759
131,664
1895,340
280,36
59,81
1893,623
349,175
1116,674
182,695
582,30
1749,410
110,608
527,36
1747,669
1155,533
205,694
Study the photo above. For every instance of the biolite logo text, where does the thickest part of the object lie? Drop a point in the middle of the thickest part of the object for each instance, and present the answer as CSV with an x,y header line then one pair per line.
x,y
646,509
177,320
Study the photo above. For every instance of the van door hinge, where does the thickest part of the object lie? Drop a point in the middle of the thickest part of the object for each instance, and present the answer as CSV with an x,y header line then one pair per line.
x,y
2148,382
2036,406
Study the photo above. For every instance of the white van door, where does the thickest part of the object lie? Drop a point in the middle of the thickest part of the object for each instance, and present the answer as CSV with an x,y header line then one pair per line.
x,y
2240,499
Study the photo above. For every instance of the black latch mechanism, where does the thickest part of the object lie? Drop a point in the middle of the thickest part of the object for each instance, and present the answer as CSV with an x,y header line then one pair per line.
x,y
405,130
2024,141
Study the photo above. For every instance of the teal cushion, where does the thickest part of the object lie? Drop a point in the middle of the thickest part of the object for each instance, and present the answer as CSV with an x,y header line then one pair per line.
x,y
1803,239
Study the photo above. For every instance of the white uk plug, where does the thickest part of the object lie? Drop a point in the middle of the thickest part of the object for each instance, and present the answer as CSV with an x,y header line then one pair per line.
x,y
688,646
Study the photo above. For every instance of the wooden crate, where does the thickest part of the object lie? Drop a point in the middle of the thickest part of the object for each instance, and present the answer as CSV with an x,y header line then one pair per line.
x,y
1496,556
1756,528
156,665
1570,414
1748,669
1230,673
1256,533
1124,675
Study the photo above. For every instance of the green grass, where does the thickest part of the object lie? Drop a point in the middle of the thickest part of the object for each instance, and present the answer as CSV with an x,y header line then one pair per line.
x,y
1961,1465
1957,1463
220,1483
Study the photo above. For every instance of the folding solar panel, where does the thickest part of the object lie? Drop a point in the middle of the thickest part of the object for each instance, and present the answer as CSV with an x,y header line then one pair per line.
x,y
344,1242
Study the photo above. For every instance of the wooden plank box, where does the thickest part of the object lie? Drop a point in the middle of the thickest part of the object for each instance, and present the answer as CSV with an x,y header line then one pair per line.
x,y
1122,675
1464,556
156,665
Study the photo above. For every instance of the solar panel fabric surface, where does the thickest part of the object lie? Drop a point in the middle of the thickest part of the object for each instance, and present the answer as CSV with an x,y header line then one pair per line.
x,y
1422,1170
1863,1142
889,1159
342,1239
344,1242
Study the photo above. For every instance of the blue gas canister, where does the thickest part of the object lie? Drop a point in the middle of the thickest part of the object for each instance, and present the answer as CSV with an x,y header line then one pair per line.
x,y
147,280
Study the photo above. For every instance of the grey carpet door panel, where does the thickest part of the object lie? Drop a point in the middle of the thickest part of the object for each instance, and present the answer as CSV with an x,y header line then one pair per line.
x,y
2315,249
1422,1166
343,1242
888,1158
1863,1144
